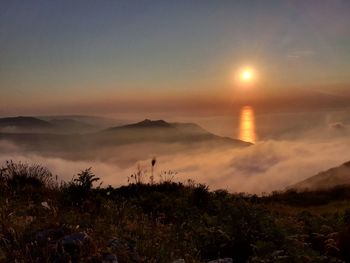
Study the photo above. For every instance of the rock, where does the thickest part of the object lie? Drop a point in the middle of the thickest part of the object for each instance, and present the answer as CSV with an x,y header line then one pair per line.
x,y
180,260
222,260
109,258
45,205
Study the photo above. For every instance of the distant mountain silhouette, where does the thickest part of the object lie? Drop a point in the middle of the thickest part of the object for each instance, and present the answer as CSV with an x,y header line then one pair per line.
x,y
333,177
162,131
125,144
161,124
24,123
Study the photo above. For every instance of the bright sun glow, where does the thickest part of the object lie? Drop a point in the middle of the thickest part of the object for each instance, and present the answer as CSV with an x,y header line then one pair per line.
x,y
247,75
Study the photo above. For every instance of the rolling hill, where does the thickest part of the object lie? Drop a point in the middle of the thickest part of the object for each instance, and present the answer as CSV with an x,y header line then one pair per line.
x,y
162,131
21,124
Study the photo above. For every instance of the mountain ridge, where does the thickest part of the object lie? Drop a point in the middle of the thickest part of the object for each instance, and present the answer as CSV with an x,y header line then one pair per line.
x,y
335,176
146,123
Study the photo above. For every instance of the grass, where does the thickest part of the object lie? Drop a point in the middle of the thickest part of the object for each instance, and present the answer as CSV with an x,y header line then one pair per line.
x,y
43,221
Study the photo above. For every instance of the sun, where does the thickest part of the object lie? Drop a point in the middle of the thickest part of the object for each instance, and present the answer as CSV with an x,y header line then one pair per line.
x,y
247,75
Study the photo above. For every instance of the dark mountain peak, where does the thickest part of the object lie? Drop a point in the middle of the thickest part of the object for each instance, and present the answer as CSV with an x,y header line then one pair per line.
x,y
147,123
155,122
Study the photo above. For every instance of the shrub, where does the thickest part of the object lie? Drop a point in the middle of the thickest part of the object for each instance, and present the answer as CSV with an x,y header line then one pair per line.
x,y
86,179
78,189
16,176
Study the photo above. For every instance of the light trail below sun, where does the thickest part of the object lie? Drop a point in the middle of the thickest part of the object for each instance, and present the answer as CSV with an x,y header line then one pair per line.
x,y
247,125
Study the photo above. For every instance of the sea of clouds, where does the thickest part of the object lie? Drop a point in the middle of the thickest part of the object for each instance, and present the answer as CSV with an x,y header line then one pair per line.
x,y
266,166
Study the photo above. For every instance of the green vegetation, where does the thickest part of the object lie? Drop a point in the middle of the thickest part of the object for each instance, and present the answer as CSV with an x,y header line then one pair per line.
x,y
46,221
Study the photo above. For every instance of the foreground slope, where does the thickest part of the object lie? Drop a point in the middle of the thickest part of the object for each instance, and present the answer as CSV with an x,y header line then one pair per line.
x,y
164,222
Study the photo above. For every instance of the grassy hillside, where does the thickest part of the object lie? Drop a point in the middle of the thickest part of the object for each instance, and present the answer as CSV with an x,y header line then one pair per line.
x,y
46,221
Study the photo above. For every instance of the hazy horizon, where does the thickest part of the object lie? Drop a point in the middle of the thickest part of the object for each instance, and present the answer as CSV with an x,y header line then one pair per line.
x,y
178,57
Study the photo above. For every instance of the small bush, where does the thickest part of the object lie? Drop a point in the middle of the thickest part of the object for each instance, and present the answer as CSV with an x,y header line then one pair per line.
x,y
79,188
16,176
86,179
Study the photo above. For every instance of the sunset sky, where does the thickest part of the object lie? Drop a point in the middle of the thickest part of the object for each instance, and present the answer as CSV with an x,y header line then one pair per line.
x,y
110,57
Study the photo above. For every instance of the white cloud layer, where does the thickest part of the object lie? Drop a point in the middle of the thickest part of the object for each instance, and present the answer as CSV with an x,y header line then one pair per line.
x,y
267,166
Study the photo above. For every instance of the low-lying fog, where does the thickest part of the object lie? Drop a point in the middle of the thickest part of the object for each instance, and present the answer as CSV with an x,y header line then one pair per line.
x,y
290,148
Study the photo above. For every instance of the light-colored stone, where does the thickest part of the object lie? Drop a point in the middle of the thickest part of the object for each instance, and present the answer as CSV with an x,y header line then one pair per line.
x,y
222,260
